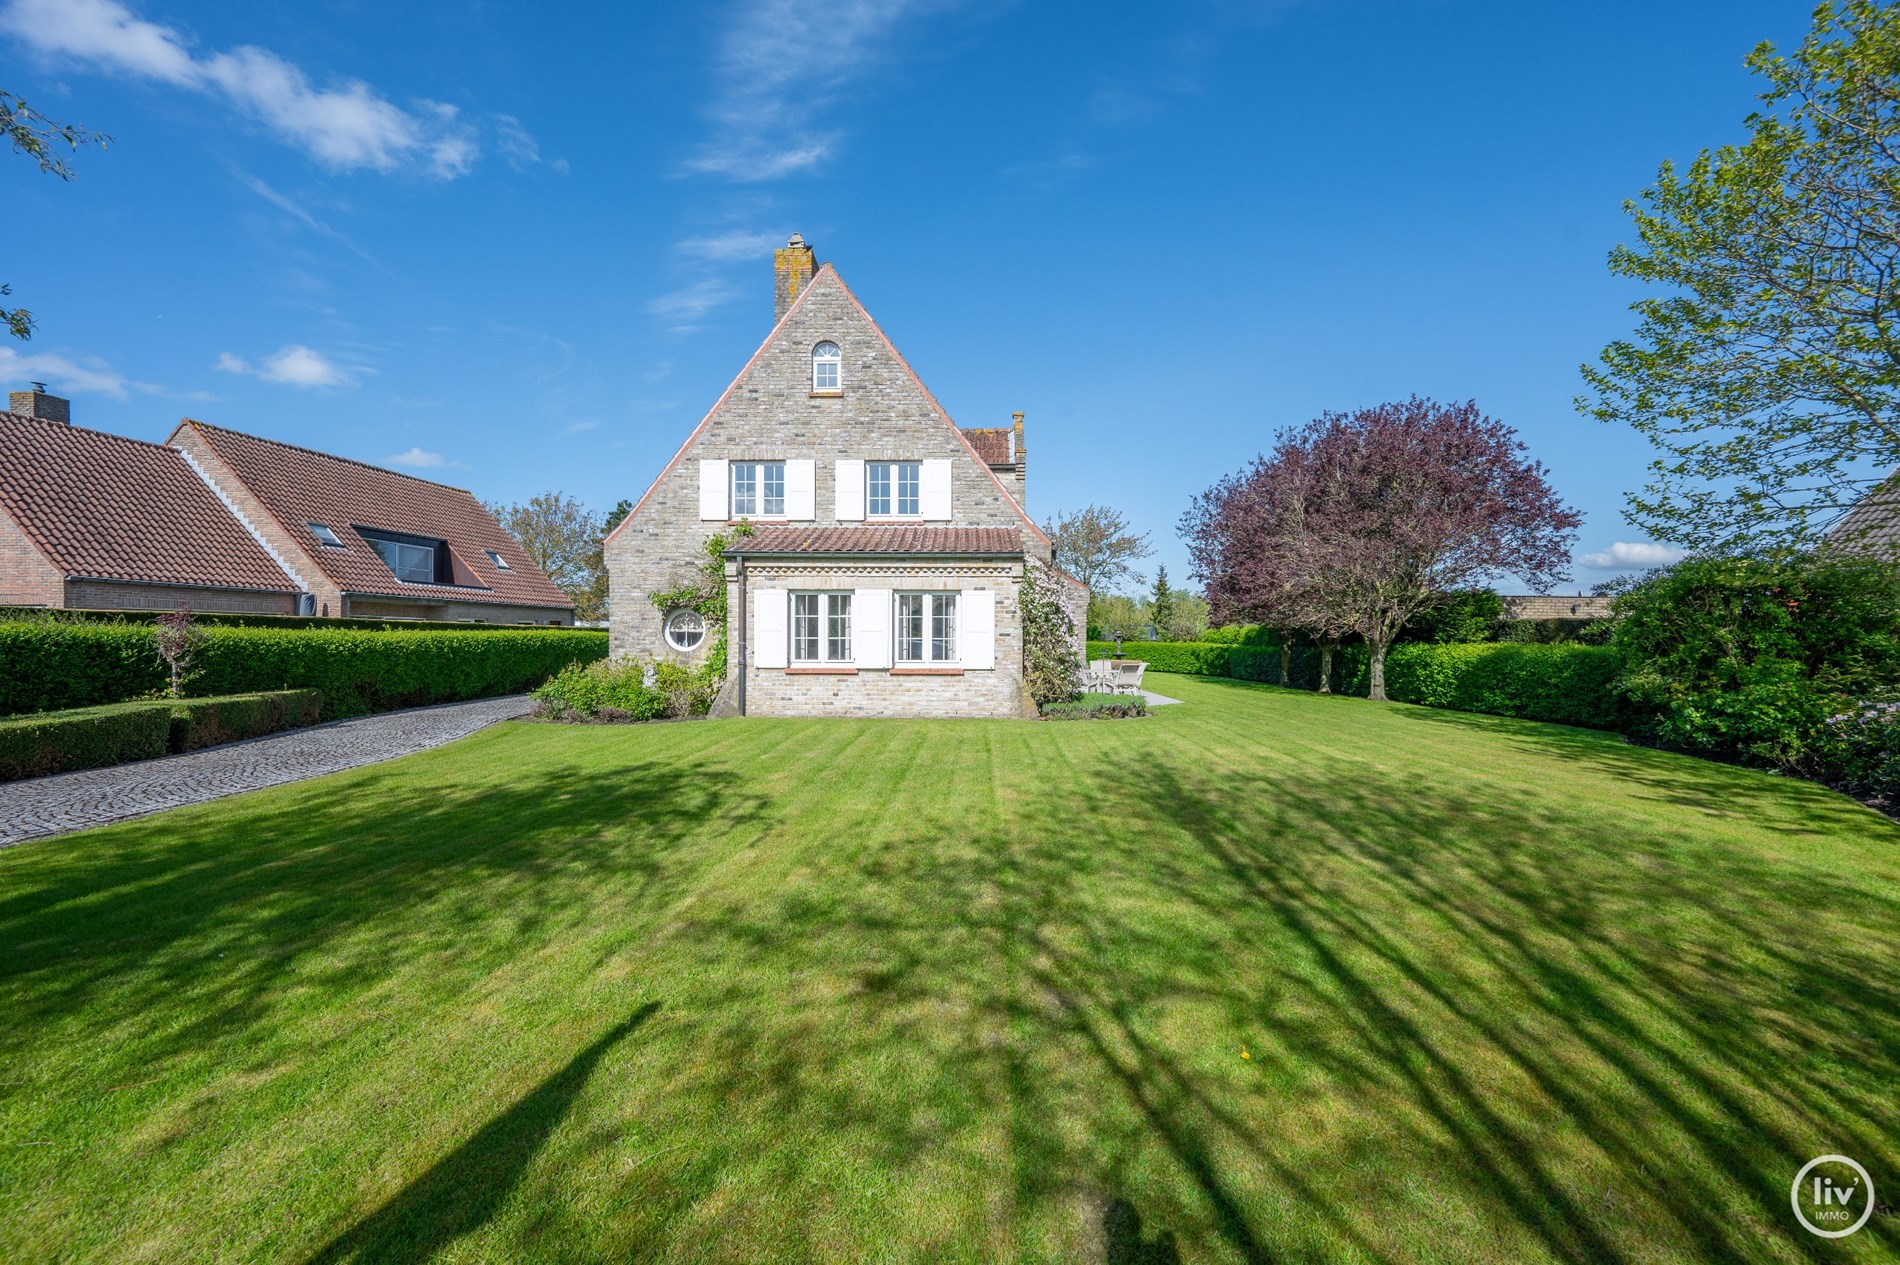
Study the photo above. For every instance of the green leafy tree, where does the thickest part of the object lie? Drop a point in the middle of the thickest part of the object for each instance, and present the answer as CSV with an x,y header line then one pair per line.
x,y
1097,546
562,536
40,139
1768,370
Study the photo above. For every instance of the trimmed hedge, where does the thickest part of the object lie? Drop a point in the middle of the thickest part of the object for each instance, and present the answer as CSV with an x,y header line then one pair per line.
x,y
54,666
206,722
92,737
88,738
1564,683
237,619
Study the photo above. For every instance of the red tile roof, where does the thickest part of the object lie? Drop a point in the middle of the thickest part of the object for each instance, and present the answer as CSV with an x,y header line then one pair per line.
x,y
105,506
991,444
999,541
301,486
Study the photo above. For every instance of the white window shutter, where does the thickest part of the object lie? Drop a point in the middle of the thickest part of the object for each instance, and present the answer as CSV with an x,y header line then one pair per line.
x,y
871,628
801,489
976,628
933,489
770,631
713,483
851,491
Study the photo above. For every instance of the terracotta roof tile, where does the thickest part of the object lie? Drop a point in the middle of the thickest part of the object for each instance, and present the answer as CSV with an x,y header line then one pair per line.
x,y
301,486
106,506
991,444
1001,541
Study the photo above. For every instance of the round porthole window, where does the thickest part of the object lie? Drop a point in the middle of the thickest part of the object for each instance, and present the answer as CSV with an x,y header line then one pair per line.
x,y
685,629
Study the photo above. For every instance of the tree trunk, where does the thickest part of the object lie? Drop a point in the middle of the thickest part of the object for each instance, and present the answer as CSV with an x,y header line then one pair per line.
x,y
1377,649
1326,668
1286,662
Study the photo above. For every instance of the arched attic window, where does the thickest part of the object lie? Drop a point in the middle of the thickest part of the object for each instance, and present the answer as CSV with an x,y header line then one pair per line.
x,y
827,366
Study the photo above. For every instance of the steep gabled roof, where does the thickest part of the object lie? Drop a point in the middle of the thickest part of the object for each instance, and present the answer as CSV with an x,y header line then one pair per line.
x,y
107,507
1873,524
811,287
300,486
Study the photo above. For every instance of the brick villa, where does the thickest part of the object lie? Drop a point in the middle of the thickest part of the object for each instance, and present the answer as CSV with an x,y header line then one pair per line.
x,y
230,522
891,545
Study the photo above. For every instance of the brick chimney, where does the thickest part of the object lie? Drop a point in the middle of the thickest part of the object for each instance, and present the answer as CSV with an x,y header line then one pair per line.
x,y
36,403
792,267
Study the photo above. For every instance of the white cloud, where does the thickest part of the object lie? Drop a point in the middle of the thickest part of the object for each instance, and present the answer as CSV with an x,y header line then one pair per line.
x,y
294,365
767,94
724,247
418,459
81,375
345,126
576,428
693,301
1626,555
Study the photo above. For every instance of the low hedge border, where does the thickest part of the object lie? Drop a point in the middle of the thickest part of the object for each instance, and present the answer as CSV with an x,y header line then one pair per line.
x,y
1563,683
58,666
116,733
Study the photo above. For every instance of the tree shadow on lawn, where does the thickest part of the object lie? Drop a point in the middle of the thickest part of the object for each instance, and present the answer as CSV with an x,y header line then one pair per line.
x,y
1676,778
1559,1041
461,1192
223,919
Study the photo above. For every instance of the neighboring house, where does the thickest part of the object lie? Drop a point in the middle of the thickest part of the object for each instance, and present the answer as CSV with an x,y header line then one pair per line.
x,y
1558,606
890,545
1873,524
229,522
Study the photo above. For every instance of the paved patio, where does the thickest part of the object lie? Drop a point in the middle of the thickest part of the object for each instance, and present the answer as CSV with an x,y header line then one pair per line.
x,y
45,806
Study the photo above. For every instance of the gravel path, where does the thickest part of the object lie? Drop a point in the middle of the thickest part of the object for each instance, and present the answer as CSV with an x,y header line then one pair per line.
x,y
66,802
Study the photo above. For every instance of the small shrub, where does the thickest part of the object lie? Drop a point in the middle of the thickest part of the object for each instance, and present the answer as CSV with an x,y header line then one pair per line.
x,y
1097,707
1859,751
607,692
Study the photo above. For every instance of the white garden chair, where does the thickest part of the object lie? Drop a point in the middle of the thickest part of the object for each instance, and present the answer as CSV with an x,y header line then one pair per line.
x,y
1128,676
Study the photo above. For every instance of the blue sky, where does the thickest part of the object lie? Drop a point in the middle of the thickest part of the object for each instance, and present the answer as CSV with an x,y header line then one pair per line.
x,y
523,247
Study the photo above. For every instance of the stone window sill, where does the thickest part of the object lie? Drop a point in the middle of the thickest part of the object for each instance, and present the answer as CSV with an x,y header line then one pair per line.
x,y
926,671
759,522
820,671
827,395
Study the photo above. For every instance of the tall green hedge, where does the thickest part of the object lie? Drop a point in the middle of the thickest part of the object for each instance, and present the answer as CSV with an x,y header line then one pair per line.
x,y
1195,658
239,619
50,666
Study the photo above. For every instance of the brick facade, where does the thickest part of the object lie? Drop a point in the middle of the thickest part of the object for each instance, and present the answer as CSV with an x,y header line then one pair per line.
x,y
26,577
120,595
770,412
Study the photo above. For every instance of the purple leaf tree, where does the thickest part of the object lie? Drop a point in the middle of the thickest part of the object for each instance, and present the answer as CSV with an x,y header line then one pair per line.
x,y
1357,520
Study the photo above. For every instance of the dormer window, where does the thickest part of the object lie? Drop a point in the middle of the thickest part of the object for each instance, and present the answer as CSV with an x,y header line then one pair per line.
x,y
325,537
827,365
501,563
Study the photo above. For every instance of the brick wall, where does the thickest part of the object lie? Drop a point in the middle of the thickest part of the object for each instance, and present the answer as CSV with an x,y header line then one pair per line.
x,y
770,413
26,577
484,612
116,595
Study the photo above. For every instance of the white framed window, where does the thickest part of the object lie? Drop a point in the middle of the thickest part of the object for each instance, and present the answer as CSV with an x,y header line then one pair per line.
x,y
893,489
325,537
926,627
501,563
827,367
758,489
685,629
821,628
410,562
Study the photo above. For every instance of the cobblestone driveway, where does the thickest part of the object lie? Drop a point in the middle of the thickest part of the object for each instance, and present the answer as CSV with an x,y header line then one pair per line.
x,y
94,797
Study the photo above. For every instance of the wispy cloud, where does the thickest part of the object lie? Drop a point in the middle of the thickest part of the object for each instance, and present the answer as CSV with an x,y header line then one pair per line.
x,y
75,375
519,147
345,126
768,93
294,365
728,246
582,426
688,304
420,459
1626,555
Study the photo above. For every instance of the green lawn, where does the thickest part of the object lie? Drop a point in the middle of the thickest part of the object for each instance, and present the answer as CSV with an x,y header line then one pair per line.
x,y
1267,976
